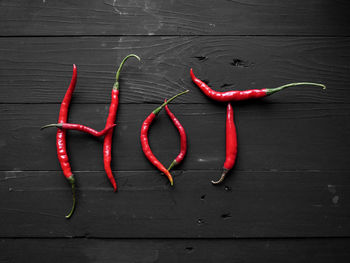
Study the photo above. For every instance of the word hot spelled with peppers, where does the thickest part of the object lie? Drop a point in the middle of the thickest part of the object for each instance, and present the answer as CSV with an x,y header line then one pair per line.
x,y
62,126
236,95
231,136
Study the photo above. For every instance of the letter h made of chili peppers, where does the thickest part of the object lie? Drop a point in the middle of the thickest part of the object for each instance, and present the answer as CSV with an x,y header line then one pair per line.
x,y
63,125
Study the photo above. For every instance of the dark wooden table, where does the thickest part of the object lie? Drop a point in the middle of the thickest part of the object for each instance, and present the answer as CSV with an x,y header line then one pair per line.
x,y
288,198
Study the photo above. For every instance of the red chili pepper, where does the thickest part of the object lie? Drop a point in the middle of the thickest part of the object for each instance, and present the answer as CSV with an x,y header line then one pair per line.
x,y
183,139
144,138
231,144
79,127
236,95
61,138
107,143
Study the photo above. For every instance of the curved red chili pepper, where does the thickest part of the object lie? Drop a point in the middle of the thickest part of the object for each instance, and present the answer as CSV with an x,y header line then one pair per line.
x,y
231,144
79,127
236,95
61,138
107,143
144,139
183,138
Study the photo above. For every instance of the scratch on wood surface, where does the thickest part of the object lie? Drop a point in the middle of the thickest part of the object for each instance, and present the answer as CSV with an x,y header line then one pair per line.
x,y
202,160
142,46
173,46
268,4
242,3
115,6
9,177
201,113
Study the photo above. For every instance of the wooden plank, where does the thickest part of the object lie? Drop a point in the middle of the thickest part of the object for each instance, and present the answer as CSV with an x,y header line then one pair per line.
x,y
125,17
82,250
249,204
38,70
270,137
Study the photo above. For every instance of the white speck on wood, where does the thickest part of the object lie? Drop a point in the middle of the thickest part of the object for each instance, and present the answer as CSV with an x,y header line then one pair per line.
x,y
116,8
335,199
10,177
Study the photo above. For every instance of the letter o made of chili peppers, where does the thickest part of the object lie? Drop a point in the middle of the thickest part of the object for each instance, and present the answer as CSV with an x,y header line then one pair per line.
x,y
144,138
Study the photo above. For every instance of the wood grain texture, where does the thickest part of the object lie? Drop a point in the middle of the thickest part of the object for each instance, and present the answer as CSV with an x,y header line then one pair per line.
x,y
287,199
249,204
147,251
181,17
270,136
38,70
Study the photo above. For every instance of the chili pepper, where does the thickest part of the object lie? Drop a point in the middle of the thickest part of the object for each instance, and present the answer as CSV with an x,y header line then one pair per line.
x,y
183,139
236,95
107,143
79,127
231,144
144,138
61,138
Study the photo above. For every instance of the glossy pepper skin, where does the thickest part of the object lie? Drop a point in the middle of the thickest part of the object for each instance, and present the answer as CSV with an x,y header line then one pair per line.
x,y
79,127
107,143
147,149
144,139
183,138
61,138
231,143
236,95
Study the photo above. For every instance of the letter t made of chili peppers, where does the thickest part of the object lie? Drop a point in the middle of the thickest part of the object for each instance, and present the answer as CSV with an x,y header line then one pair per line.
x,y
231,144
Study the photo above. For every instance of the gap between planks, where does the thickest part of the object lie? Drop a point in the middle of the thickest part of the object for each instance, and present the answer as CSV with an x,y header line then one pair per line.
x,y
177,238
174,35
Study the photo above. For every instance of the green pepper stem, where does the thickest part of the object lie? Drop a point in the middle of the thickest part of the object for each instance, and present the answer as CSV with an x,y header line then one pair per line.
x,y
72,182
57,125
157,110
274,90
116,84
172,165
223,175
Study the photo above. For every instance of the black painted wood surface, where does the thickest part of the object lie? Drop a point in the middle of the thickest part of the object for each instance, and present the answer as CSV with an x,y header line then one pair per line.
x,y
248,205
34,70
176,250
286,200
169,17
